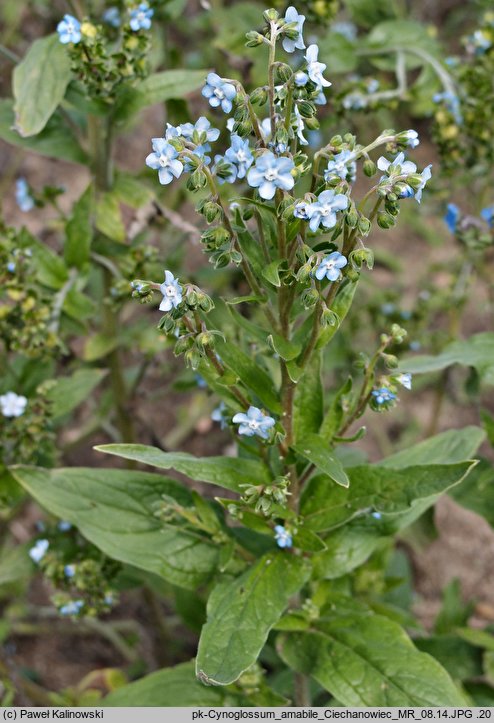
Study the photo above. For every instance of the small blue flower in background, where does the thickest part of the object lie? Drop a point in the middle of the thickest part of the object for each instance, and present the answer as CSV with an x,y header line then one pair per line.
x,y
164,160
240,154
200,381
383,396
376,515
451,217
323,211
254,423
12,404
11,267
390,167
108,599
218,415
38,551
348,30
24,199
282,537
69,30
452,103
112,17
354,101
488,215
140,17
300,79
330,267
404,379
69,570
270,173
314,68
342,165
73,607
478,42
426,175
172,292
64,526
219,92
292,16
372,85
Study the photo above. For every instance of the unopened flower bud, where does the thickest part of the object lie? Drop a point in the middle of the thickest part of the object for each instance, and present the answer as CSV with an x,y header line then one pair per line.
x,y
329,318
310,297
283,72
369,167
364,226
306,109
253,39
271,15
259,96
390,360
385,220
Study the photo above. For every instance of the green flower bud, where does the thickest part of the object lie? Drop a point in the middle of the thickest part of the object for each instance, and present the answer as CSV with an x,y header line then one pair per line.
x,y
398,333
329,318
384,220
283,72
364,226
309,297
351,217
390,360
191,298
290,30
271,15
183,344
205,339
235,257
306,109
304,272
253,39
312,123
204,302
259,96
415,181
369,167
192,359
336,141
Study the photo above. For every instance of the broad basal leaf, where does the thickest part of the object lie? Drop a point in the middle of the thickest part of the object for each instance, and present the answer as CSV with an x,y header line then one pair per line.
x,y
242,612
115,510
39,84
369,661
227,472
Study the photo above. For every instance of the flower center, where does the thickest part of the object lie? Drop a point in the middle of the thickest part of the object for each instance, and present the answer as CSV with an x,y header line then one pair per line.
x,y
141,15
253,424
330,265
70,27
325,211
241,157
164,161
271,174
219,93
170,290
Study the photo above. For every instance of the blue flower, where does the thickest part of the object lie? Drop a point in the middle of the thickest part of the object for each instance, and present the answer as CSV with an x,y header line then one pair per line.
x,y
24,199
172,292
354,101
254,423
112,17
300,79
479,42
200,381
383,396
376,515
425,176
219,92
452,103
404,379
218,415
342,165
302,210
200,132
64,526
348,30
11,267
69,570
271,173
73,607
282,537
39,550
69,30
372,85
140,17
225,171
292,16
451,216
240,154
398,166
12,404
330,267
300,127
164,160
488,215
314,68
323,211
410,138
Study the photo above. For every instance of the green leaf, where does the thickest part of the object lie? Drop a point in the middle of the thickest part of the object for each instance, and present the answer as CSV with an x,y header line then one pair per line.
x,y
98,346
316,451
346,549
479,638
308,400
271,272
369,661
157,88
341,307
109,217
132,192
287,350
14,564
50,268
449,447
334,417
454,612
115,510
250,374
170,687
477,491
79,231
242,612
227,472
71,391
342,52
477,352
55,140
388,491
39,83
459,658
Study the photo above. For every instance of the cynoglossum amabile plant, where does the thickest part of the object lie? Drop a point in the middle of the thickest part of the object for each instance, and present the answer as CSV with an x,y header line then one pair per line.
x,y
301,513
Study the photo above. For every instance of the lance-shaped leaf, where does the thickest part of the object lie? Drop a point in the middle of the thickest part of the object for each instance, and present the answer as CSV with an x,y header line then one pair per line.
x,y
308,400
79,231
227,472
115,510
242,612
170,687
39,83
369,661
449,447
373,488
69,392
317,451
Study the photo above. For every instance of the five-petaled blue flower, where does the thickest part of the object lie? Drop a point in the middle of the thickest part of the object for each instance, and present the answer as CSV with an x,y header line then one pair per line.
x,y
330,267
218,415
38,551
24,199
254,423
383,396
271,173
12,404
323,211
164,160
69,30
240,154
391,167
315,69
451,217
73,607
425,176
219,92
342,165
488,215
64,526
282,536
140,17
405,379
292,16
112,17
201,126
69,570
172,292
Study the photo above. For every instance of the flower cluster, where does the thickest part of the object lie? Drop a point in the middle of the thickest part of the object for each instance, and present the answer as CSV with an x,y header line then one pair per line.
x,y
402,177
